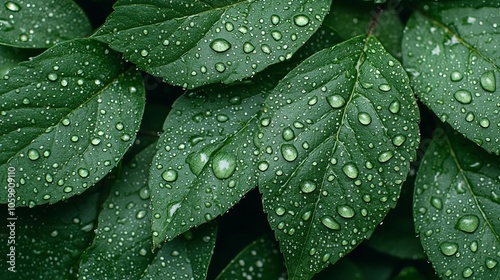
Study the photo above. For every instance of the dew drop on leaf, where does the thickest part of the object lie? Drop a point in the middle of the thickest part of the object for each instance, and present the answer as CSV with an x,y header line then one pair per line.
x,y
456,76
13,7
289,152
223,165
463,96
301,20
84,173
220,45
385,156
68,189
345,211
384,87
248,47
394,107
330,223
288,134
488,81
33,154
169,175
468,223
350,170
196,162
336,101
308,186
364,118
437,203
448,248
220,67
280,211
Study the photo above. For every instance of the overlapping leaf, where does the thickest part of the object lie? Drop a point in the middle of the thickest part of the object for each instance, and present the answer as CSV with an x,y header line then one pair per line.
x,y
456,208
10,57
193,43
337,137
41,24
452,54
67,118
206,158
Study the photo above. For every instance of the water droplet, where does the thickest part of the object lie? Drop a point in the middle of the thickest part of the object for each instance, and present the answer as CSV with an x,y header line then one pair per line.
x,y
289,152
276,35
248,47
456,76
336,101
398,140
13,7
301,20
308,186
141,214
196,162
144,192
84,173
463,96
223,165
119,126
307,215
350,170
394,107
330,223
220,45
364,118
384,87
49,178
220,67
345,211
280,211
437,203
52,77
491,263
468,223
95,141
266,49
263,166
385,156
448,248
169,175
488,81
23,38
144,53
222,118
229,26
467,272
33,154
288,134
275,19
484,122
5,25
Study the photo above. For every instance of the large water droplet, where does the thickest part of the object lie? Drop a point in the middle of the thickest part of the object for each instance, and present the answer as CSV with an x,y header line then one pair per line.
x,y
384,87
288,134
385,156
301,20
13,7
350,170
488,81
468,223
467,272
276,35
84,173
394,107
336,101
437,203
196,161
220,67
220,45
345,211
491,263
248,47
308,186
5,25
33,154
364,118
169,175
52,77
275,19
263,166
280,211
330,223
484,122
456,76
463,96
223,165
307,215
398,140
289,152
448,248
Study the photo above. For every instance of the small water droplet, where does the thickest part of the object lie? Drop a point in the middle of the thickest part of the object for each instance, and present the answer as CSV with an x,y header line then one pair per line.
x,y
119,126
488,81
33,154
385,156
301,20
491,263
141,214
220,45
275,19
263,166
222,118
350,170
169,175
248,47
144,192
467,272
468,223
448,248
308,186
330,223
23,38
289,152
345,211
52,77
276,35
307,215
265,48
144,53
463,96
394,107
288,134
95,141
398,140
229,26
456,76
384,87
280,211
484,122
223,165
364,118
13,7
336,101
220,67
437,203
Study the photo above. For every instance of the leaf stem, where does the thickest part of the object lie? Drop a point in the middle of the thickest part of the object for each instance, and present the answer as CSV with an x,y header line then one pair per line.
x,y
374,20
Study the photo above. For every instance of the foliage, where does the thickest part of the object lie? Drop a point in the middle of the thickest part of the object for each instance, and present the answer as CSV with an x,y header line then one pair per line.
x,y
230,139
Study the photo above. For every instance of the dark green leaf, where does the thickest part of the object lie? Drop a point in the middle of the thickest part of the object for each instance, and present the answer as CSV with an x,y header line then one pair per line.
x,y
260,259
67,118
48,240
122,245
186,257
456,208
10,57
337,137
206,158
41,24
193,43
453,58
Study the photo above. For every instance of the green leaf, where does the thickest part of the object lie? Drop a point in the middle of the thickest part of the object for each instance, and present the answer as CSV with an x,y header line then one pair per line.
x,y
122,245
193,43
337,136
206,160
67,117
48,240
454,62
186,257
259,259
10,57
456,208
41,24
386,24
